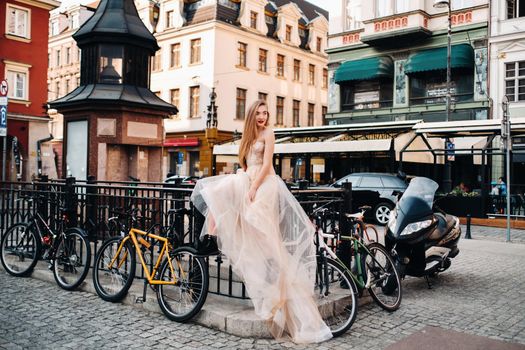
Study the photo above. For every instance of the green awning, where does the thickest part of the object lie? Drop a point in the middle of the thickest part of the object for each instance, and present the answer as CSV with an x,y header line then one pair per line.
x,y
462,56
365,69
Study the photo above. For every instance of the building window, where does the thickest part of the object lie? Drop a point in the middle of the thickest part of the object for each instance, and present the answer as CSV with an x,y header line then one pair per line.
x,y
280,65
461,4
242,48
195,54
169,19
352,16
431,87
384,8
253,19
296,110
18,21
515,8
366,95
18,84
325,78
175,97
175,55
240,109
54,28
263,60
311,109
75,21
288,33
319,44
403,6
57,88
68,55
324,110
515,81
157,61
263,96
57,59
279,112
49,59
296,70
194,101
311,74
68,87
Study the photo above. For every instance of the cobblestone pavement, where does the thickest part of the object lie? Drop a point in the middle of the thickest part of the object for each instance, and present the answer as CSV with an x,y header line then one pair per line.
x,y
495,233
483,293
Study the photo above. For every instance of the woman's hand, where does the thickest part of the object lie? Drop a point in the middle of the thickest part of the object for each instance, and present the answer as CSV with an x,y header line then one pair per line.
x,y
251,193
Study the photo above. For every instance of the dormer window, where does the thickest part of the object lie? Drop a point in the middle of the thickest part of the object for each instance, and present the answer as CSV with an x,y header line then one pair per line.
x,y
288,33
319,44
253,19
169,19
75,21
54,28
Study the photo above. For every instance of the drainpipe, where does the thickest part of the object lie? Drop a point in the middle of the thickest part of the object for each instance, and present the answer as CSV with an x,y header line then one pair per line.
x,y
39,153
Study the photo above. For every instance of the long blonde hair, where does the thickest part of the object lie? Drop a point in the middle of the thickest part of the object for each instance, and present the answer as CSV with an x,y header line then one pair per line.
x,y
250,133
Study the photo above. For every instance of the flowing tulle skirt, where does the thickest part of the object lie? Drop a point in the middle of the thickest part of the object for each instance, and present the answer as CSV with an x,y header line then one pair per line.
x,y
269,243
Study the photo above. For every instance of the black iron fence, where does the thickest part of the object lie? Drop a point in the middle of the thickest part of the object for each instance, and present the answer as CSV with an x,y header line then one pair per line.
x,y
146,206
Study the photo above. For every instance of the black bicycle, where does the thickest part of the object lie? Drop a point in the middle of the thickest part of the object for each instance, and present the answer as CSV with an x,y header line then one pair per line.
x,y
67,250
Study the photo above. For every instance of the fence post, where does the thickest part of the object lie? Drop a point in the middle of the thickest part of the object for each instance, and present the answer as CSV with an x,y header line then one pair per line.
x,y
42,199
70,202
91,207
344,247
467,233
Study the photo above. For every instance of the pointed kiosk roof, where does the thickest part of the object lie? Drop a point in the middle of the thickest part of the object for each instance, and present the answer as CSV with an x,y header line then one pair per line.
x,y
116,21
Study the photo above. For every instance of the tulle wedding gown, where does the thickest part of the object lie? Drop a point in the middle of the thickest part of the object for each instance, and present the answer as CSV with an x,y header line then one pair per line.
x,y
269,243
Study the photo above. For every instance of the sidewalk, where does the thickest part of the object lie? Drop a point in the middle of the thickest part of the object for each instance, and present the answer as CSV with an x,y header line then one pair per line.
x,y
481,295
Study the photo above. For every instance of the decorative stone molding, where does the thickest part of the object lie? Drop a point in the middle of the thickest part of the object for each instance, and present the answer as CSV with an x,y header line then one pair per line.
x,y
392,23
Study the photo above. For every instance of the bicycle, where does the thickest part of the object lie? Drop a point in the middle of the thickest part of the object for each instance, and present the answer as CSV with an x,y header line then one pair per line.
x,y
374,271
66,249
179,276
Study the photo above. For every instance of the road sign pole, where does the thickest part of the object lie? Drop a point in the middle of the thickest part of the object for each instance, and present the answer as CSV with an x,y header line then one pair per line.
x,y
4,88
4,157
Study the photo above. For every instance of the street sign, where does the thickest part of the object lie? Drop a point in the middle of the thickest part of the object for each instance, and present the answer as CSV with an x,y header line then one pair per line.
x,y
3,88
3,120
451,151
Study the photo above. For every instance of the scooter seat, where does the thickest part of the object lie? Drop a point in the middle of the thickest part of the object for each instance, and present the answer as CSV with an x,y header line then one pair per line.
x,y
445,225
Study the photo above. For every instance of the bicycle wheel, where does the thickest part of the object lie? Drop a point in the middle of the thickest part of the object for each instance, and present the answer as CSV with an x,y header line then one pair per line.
x,y
113,273
382,277
338,296
72,259
20,249
183,300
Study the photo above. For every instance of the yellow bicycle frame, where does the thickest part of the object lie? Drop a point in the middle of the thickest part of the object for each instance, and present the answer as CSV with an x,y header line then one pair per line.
x,y
136,237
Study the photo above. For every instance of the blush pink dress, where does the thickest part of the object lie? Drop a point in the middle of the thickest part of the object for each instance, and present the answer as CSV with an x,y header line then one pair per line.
x,y
269,243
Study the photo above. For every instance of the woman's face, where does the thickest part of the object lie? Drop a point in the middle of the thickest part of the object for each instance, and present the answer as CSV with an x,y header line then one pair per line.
x,y
261,116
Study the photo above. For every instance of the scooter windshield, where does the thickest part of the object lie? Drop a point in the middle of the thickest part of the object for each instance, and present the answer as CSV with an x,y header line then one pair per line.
x,y
418,197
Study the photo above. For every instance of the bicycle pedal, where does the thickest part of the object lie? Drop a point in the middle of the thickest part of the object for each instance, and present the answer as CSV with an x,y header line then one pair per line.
x,y
139,300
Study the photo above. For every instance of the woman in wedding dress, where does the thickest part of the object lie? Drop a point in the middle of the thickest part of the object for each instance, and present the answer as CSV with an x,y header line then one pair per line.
x,y
265,234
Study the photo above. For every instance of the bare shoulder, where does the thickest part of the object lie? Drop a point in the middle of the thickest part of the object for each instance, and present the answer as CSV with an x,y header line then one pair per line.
x,y
269,134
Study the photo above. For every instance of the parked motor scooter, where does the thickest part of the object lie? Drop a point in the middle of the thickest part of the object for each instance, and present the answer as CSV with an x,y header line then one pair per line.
x,y
421,237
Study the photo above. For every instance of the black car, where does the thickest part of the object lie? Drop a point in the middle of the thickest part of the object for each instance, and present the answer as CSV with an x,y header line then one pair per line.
x,y
378,190
182,180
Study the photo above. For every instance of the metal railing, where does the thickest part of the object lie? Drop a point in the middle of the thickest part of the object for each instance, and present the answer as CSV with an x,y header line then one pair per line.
x,y
90,204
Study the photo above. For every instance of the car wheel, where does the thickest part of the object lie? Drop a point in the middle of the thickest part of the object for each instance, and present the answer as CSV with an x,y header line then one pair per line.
x,y
382,213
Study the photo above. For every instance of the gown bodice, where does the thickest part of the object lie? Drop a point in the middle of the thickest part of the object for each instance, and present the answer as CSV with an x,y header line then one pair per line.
x,y
256,154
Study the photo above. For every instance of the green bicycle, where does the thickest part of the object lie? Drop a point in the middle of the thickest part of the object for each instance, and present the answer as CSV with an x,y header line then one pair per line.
x,y
372,269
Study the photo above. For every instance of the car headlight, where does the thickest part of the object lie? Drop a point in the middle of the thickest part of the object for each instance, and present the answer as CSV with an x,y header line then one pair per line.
x,y
416,226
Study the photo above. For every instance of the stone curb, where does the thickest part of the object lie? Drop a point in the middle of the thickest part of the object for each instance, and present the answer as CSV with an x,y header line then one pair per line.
x,y
231,315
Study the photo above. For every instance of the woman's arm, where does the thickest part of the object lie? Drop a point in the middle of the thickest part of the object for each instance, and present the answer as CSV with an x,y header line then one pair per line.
x,y
269,144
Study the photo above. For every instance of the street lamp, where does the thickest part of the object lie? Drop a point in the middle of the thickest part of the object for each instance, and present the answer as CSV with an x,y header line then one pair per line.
x,y
447,182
